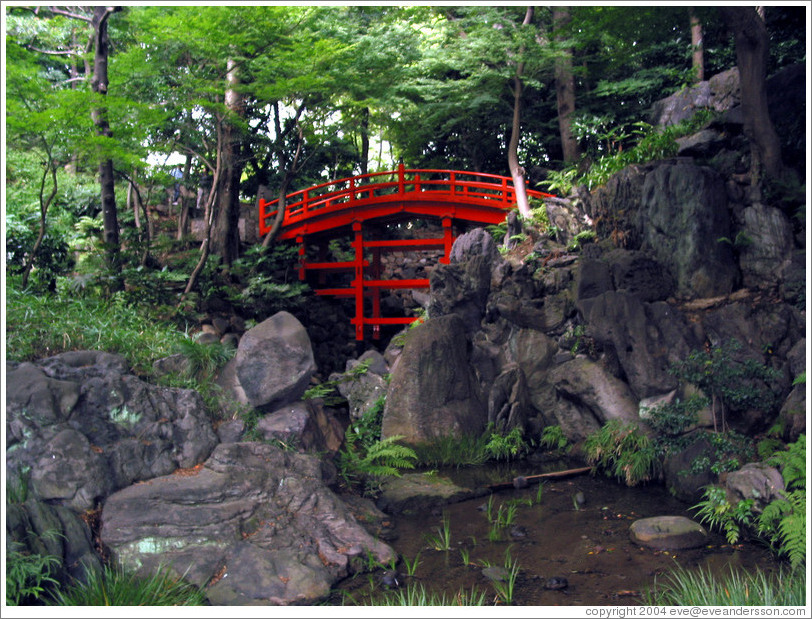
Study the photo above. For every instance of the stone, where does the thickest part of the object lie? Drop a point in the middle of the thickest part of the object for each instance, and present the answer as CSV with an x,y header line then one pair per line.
x,y
120,431
253,525
273,364
768,252
647,338
303,426
668,533
434,391
682,218
418,492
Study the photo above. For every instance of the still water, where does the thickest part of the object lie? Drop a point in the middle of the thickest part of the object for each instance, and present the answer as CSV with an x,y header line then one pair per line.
x,y
573,531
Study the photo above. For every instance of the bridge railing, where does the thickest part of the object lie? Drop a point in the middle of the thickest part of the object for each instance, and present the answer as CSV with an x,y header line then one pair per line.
x,y
445,185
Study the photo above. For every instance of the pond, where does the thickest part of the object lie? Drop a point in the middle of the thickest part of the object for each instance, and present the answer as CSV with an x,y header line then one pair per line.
x,y
572,532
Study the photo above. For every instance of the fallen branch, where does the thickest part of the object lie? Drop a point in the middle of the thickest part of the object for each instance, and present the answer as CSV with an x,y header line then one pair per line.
x,y
524,481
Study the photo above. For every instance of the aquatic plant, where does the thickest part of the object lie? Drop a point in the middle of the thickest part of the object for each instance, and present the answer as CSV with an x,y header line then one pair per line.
x,y
442,540
683,587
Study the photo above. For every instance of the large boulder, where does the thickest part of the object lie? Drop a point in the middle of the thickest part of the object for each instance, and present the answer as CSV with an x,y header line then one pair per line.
x,y
683,218
273,364
595,392
646,338
254,525
462,286
434,391
84,427
768,253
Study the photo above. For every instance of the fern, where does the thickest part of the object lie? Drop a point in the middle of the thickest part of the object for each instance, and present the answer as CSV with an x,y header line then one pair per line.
x,y
386,458
367,464
792,463
783,521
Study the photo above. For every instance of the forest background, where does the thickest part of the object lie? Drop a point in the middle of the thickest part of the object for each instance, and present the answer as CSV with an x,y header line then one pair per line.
x,y
100,100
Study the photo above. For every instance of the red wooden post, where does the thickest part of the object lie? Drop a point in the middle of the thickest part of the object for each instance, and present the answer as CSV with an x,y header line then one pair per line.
x,y
448,240
376,293
358,282
401,180
302,257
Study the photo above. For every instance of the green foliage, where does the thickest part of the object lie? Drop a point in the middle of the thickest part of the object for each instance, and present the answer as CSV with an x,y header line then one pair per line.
x,y
442,539
560,181
719,513
27,575
505,589
622,451
676,417
415,594
782,523
731,381
365,459
580,239
553,438
204,360
506,446
39,326
466,450
115,587
368,466
683,587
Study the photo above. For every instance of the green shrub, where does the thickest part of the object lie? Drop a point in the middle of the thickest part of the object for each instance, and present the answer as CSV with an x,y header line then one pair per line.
x,y
732,383
27,575
553,438
683,587
506,446
115,587
622,451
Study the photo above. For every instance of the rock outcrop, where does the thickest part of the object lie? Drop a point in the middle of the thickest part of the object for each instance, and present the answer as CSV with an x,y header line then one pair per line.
x,y
253,525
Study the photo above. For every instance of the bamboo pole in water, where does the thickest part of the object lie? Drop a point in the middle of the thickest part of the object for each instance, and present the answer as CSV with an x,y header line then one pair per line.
x,y
524,481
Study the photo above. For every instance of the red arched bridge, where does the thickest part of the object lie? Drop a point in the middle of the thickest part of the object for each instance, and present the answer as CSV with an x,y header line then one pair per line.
x,y
344,206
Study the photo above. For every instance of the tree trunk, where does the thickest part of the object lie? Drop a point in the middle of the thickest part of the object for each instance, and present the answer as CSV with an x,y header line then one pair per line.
x,y
517,171
225,240
283,190
752,50
565,87
106,179
44,204
697,47
365,140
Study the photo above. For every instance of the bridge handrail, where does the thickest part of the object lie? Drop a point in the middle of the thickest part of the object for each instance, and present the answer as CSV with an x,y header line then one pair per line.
x,y
349,191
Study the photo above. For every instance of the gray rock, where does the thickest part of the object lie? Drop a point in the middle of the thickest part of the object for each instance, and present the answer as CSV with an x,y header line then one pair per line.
x,y
303,426
253,525
273,364
769,251
668,533
433,391
683,215
757,481
417,492
121,430
647,338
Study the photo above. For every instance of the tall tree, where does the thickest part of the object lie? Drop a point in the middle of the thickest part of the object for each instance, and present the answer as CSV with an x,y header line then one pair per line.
x,y
564,84
100,83
752,54
697,45
226,238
